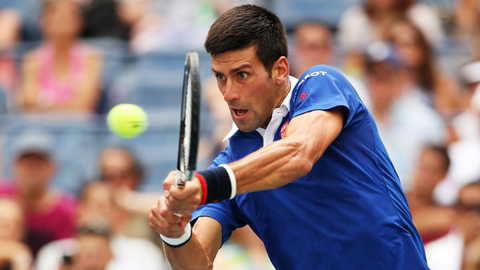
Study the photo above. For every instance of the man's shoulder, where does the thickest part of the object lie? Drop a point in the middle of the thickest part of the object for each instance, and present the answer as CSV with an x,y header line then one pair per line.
x,y
319,71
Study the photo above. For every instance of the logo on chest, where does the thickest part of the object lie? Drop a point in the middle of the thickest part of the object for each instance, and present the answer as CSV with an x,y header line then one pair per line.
x,y
283,129
303,96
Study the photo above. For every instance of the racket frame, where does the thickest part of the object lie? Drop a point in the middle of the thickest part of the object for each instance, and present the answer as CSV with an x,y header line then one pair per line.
x,y
189,120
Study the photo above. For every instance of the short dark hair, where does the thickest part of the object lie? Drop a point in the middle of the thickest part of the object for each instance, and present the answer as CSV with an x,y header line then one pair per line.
x,y
245,26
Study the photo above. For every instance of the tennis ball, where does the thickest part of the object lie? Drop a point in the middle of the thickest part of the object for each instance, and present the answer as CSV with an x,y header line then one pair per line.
x,y
127,120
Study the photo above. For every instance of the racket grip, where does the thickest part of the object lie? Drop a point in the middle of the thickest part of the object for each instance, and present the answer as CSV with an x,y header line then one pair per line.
x,y
179,182
180,179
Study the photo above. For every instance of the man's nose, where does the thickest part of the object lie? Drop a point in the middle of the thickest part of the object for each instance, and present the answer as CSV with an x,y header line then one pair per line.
x,y
230,92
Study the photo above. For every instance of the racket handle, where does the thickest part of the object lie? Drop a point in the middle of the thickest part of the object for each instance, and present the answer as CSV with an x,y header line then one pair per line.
x,y
180,179
180,183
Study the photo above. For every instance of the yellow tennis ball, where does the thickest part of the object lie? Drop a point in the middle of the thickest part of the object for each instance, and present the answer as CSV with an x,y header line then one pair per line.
x,y
127,120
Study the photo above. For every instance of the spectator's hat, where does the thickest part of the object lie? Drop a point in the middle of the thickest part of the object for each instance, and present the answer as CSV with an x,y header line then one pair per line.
x,y
36,142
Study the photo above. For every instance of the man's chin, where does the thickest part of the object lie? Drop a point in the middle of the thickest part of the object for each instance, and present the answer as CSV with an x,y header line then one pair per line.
x,y
245,128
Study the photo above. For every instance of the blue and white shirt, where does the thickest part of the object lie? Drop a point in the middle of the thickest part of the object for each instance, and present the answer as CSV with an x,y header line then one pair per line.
x,y
348,212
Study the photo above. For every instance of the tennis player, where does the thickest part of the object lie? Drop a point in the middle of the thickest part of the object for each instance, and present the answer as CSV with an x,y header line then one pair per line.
x,y
305,166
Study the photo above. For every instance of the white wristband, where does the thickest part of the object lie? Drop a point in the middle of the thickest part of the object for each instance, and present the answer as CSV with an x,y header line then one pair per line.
x,y
178,242
233,180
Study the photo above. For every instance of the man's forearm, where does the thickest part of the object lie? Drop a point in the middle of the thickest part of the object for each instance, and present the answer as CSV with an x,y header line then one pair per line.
x,y
191,256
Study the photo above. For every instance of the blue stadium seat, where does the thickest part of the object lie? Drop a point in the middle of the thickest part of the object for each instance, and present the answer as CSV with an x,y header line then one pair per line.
x,y
292,12
154,81
3,101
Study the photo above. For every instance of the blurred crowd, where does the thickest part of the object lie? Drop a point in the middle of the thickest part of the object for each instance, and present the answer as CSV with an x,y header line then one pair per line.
x,y
415,64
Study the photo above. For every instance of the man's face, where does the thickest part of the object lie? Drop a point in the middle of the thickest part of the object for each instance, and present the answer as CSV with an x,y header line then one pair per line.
x,y
251,94
385,83
430,170
94,252
62,20
33,172
97,205
313,45
117,169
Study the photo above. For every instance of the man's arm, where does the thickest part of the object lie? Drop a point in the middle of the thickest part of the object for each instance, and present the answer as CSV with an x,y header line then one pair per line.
x,y
277,164
283,161
200,251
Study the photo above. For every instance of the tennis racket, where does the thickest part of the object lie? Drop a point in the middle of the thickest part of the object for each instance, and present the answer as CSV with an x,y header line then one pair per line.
x,y
189,120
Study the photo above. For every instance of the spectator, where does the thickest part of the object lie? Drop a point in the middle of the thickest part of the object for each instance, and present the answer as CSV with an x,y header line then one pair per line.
x,y
459,250
50,214
312,44
404,122
466,24
172,25
464,151
436,86
14,254
98,209
167,25
362,24
467,124
63,74
93,250
431,219
10,23
120,167
108,18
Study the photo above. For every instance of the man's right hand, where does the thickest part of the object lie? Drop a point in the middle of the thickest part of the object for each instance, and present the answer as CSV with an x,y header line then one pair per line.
x,y
165,222
163,215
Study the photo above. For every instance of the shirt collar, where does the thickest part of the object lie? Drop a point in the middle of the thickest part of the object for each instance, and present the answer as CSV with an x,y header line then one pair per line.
x,y
283,110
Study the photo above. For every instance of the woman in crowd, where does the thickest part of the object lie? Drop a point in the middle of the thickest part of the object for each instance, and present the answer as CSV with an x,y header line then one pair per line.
x,y
63,74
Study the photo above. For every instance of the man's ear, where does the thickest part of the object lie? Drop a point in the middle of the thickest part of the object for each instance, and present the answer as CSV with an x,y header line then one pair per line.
x,y
282,70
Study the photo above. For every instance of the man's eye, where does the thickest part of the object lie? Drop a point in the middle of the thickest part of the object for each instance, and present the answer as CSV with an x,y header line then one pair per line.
x,y
220,77
242,75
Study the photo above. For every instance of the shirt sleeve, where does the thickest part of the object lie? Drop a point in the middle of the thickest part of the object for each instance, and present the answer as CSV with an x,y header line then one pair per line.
x,y
324,88
225,212
223,158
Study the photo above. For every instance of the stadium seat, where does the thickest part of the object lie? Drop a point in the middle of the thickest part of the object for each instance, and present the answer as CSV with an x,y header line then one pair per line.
x,y
292,12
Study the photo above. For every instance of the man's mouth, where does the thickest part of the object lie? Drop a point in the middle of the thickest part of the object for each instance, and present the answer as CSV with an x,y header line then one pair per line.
x,y
240,112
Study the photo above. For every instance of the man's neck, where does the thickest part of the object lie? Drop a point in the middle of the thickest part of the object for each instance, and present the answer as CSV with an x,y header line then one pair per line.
x,y
287,86
37,200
